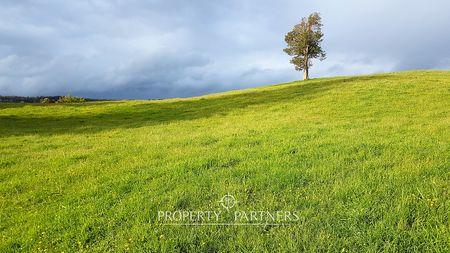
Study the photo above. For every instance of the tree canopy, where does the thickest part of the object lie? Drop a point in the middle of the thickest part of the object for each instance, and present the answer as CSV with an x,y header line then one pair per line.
x,y
304,43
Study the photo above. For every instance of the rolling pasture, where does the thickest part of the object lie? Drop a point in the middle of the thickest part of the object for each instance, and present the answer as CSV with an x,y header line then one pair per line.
x,y
365,161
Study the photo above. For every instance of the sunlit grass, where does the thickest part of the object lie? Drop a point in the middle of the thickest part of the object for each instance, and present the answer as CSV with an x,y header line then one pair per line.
x,y
364,160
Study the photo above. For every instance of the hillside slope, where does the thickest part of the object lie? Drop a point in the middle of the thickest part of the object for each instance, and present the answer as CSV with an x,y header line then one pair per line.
x,y
363,160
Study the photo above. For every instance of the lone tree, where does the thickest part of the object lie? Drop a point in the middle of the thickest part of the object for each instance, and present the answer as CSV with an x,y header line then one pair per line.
x,y
304,43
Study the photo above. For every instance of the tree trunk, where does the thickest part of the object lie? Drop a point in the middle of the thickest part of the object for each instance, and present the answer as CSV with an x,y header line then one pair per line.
x,y
306,73
306,66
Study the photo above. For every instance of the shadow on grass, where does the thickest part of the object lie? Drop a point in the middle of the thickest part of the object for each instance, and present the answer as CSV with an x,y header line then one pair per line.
x,y
8,105
147,114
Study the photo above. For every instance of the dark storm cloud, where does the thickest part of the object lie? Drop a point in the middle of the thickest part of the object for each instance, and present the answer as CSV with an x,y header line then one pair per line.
x,y
154,49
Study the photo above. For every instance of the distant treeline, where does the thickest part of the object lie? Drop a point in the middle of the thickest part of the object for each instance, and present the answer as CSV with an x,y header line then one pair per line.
x,y
51,99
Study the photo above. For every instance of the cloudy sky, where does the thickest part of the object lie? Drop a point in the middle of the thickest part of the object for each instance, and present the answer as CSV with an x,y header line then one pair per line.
x,y
175,48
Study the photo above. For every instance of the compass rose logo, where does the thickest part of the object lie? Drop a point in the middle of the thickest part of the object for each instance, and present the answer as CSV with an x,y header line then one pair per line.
x,y
228,201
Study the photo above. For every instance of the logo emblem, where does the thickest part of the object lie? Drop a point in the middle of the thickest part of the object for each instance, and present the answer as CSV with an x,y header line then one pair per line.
x,y
228,201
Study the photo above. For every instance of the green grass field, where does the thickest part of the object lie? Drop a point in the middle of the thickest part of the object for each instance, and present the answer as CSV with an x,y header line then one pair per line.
x,y
365,161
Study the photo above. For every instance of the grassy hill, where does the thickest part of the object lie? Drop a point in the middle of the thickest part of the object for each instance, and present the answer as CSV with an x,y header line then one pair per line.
x,y
364,161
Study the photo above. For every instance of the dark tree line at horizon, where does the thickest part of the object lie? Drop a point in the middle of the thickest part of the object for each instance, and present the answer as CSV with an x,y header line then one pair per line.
x,y
36,99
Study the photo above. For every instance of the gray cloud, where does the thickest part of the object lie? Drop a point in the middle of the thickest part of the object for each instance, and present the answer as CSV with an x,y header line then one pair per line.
x,y
156,49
